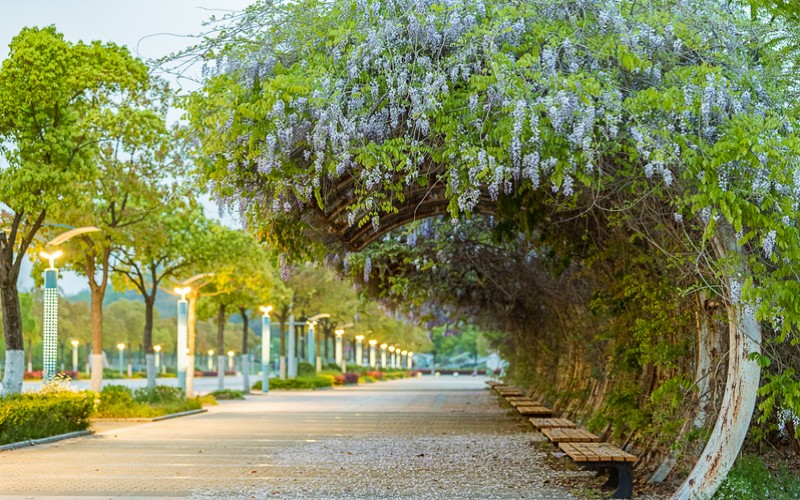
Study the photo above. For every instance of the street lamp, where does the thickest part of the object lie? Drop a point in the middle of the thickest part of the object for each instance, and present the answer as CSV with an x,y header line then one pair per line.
x,y
230,360
210,359
50,337
338,350
391,356
157,349
383,355
315,347
359,350
410,359
121,347
310,346
183,333
372,353
266,335
75,357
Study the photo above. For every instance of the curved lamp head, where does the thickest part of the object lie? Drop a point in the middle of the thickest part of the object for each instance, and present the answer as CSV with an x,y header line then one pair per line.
x,y
211,352
391,348
384,346
265,310
157,348
373,342
183,291
121,346
51,257
230,354
359,338
74,343
339,332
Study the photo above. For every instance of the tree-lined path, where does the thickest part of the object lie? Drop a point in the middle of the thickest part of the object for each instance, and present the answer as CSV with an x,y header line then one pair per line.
x,y
442,437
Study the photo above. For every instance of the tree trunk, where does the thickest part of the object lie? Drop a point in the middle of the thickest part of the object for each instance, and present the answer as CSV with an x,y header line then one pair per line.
x,y
282,358
245,356
221,347
96,317
12,328
147,340
741,386
191,340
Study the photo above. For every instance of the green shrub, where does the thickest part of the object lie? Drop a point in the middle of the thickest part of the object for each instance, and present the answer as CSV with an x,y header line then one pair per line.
x,y
229,394
48,413
306,369
750,478
117,401
317,382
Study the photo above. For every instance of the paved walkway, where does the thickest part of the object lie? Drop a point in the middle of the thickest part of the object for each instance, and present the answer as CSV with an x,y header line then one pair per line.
x,y
431,437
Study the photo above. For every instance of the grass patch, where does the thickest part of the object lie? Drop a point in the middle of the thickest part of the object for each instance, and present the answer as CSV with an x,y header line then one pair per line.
x,y
117,401
43,414
750,478
306,382
227,394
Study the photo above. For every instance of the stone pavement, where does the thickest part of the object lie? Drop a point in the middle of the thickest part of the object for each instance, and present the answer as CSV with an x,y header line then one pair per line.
x,y
430,437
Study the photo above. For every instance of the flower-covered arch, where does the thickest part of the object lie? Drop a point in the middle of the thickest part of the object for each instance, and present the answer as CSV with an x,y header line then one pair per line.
x,y
336,122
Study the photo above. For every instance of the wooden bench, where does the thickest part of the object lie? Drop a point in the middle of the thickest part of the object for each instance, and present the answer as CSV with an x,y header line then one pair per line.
x,y
535,411
566,435
603,456
520,401
510,392
493,383
551,423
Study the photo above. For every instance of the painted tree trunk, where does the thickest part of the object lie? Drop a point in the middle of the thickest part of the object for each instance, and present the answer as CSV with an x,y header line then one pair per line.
x,y
96,315
245,356
741,386
282,358
12,328
221,347
147,341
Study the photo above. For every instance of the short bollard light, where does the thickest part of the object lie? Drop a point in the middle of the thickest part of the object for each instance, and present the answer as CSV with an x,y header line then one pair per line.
x,y
121,347
391,356
157,349
230,360
210,359
383,355
359,350
75,356
311,354
410,359
265,340
183,335
403,358
372,353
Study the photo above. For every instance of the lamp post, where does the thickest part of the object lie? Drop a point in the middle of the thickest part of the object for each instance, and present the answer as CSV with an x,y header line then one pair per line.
x,y
266,335
315,359
183,332
391,356
50,337
359,351
372,353
230,360
291,350
210,362
383,355
50,327
157,349
121,347
403,358
338,354
75,357
409,359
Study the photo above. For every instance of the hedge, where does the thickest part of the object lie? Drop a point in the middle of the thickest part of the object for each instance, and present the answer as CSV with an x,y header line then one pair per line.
x,y
319,382
118,401
39,415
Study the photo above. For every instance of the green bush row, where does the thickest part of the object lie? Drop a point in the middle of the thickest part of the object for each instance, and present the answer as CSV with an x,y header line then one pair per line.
x,y
306,382
39,415
118,401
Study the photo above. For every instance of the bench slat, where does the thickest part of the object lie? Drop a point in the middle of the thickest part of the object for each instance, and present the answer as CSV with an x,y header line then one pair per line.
x,y
564,435
595,452
549,423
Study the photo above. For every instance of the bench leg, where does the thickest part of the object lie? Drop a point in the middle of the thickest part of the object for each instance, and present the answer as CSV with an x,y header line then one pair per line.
x,y
621,475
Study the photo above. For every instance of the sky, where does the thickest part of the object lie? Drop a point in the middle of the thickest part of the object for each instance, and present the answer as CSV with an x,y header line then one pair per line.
x,y
149,28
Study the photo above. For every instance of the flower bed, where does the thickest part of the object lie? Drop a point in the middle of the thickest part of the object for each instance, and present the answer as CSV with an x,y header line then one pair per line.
x,y
37,375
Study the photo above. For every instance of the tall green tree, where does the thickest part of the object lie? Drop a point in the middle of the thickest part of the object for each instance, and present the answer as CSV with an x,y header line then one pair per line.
x,y
59,101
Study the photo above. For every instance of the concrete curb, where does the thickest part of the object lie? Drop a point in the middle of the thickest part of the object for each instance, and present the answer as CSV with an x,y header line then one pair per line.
x,y
153,419
47,440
